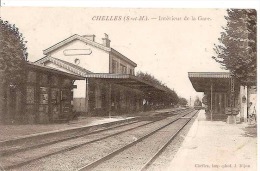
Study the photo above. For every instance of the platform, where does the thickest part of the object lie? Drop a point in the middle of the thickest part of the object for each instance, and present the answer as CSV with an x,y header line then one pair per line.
x,y
216,145
13,132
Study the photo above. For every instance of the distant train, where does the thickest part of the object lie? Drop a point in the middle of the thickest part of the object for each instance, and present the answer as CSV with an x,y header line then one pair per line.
x,y
199,107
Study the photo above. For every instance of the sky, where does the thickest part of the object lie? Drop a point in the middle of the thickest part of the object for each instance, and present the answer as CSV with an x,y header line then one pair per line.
x,y
171,43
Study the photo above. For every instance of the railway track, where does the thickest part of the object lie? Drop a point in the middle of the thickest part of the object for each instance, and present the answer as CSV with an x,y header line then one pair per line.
x,y
136,155
148,164
7,148
14,159
10,150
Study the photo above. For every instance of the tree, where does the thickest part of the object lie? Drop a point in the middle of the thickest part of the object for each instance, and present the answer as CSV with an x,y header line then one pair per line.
x,y
237,49
13,57
167,97
149,78
183,101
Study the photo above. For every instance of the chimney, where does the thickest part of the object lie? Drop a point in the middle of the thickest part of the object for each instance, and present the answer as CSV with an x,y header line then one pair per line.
x,y
90,37
106,41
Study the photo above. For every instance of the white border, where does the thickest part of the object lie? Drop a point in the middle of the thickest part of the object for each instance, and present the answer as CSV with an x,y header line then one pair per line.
x,y
137,3
255,4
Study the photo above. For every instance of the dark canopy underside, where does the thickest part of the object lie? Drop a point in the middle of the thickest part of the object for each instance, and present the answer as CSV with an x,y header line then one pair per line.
x,y
202,81
128,81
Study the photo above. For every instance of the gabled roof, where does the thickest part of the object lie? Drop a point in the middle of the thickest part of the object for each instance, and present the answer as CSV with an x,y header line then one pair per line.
x,y
64,64
72,38
88,41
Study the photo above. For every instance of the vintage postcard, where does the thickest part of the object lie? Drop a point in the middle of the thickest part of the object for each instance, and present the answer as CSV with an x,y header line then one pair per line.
x,y
157,89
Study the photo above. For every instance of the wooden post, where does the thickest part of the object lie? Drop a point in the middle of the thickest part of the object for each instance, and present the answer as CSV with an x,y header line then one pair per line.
x,y
216,103
211,87
49,85
87,95
225,100
37,99
220,103
109,101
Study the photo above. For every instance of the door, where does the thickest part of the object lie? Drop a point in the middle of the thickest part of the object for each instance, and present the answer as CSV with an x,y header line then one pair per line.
x,y
55,103
66,97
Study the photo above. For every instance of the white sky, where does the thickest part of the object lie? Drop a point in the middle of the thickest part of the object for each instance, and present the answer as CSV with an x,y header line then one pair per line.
x,y
166,49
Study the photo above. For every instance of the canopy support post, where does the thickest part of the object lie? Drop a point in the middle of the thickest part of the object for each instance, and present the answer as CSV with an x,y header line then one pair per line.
x,y
211,87
109,100
87,96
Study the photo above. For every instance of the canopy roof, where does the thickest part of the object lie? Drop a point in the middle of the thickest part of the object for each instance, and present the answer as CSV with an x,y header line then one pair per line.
x,y
127,80
53,70
202,81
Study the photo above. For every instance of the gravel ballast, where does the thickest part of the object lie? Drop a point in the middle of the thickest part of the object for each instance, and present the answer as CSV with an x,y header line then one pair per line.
x,y
79,157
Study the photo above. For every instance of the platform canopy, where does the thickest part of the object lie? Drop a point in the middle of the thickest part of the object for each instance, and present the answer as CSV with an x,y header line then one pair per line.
x,y
128,81
202,81
40,67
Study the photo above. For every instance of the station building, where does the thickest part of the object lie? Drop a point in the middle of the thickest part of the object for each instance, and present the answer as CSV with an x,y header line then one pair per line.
x,y
44,97
110,85
224,96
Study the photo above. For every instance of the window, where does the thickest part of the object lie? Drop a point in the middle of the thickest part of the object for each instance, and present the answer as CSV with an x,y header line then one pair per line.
x,y
123,69
44,95
43,101
131,71
114,66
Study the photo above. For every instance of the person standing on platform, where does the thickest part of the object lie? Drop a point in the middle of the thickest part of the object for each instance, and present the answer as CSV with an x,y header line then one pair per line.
x,y
251,114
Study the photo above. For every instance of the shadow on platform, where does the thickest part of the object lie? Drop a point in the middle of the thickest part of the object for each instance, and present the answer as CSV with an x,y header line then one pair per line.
x,y
250,131
215,117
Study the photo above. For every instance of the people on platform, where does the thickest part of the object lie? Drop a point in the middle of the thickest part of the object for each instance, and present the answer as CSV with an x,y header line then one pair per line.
x,y
251,114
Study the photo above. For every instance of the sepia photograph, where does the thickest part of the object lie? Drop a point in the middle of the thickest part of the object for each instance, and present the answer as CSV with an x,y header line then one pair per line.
x,y
128,89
